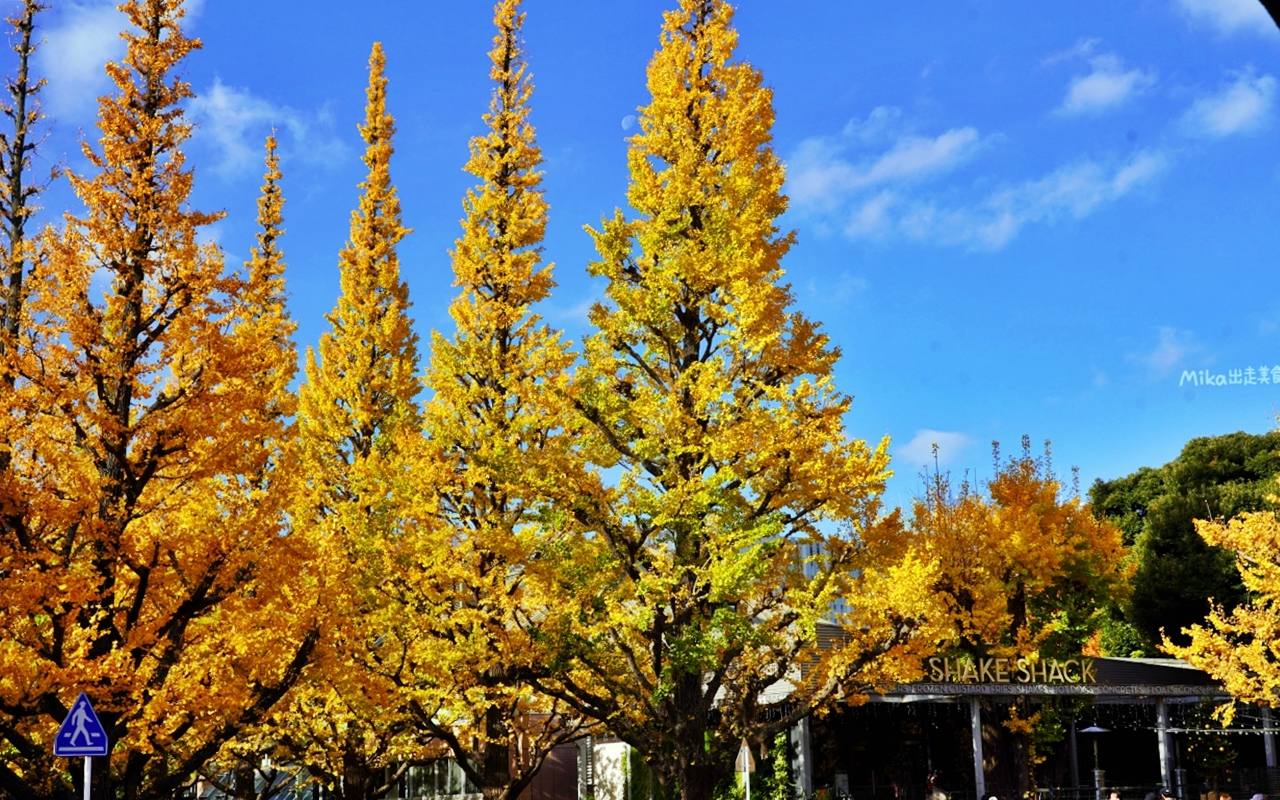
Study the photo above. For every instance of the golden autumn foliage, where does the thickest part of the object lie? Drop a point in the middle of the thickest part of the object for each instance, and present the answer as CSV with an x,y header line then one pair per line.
x,y
357,415
270,329
361,386
141,558
741,517
497,454
1241,646
659,536
1023,570
268,333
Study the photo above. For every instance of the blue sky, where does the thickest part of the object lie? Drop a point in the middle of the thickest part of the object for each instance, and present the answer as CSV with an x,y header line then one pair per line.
x,y
1013,217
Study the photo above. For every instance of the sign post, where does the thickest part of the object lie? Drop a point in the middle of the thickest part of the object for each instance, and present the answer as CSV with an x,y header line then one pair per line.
x,y
81,734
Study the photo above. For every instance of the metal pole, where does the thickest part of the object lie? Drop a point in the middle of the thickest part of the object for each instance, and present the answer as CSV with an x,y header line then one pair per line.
x,y
1075,757
1162,737
979,776
88,775
746,775
1268,738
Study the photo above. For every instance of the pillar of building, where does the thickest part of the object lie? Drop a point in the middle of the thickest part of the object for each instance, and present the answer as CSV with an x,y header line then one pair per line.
x,y
586,767
979,774
802,759
1164,743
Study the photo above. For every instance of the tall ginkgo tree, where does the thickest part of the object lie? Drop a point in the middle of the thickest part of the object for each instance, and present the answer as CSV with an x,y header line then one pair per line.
x,y
357,418
141,556
239,768
499,445
740,515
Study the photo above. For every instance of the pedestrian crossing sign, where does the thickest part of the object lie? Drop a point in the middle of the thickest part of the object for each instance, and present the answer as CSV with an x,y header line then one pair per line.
x,y
81,733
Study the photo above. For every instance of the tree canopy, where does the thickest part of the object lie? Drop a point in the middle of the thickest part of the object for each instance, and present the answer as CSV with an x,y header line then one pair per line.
x,y
661,532
1240,646
141,555
1176,570
357,420
1024,568
741,516
497,456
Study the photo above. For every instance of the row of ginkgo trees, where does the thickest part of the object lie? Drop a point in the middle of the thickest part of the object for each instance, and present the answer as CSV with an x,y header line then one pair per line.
x,y
639,534
348,580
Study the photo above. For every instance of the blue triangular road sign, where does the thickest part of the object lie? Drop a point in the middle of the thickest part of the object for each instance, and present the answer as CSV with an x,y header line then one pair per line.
x,y
81,733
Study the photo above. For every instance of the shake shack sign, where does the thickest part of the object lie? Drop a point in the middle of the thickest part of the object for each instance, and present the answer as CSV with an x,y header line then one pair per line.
x,y
1011,670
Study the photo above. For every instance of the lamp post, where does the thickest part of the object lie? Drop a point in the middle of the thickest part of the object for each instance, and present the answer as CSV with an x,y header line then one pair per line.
x,y
1099,778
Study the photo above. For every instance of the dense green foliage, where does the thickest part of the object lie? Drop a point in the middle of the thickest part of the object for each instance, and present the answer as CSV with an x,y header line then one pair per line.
x,y
1214,477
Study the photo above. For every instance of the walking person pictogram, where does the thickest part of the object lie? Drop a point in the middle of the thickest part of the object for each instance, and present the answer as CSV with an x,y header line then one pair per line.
x,y
79,718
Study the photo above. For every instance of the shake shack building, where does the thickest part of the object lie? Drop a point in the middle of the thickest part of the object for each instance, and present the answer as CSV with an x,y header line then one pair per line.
x,y
1122,723
1125,723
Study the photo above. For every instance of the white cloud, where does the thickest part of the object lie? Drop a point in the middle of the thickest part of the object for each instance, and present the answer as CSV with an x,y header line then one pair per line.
x,y
237,122
872,216
837,289
822,173
883,194
1169,353
1230,16
77,47
74,54
1083,48
1075,190
1243,106
919,451
917,155
1108,85
881,122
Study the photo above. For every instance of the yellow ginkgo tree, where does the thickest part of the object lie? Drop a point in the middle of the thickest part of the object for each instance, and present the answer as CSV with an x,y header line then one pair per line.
x,y
141,555
1241,646
739,515
357,420
1024,570
497,457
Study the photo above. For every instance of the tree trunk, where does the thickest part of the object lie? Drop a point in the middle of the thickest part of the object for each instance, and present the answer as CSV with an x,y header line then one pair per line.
x,y
246,784
698,783
496,770
358,781
1008,752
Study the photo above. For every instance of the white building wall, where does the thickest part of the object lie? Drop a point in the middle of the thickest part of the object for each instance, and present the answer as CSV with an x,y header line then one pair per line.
x,y
611,770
